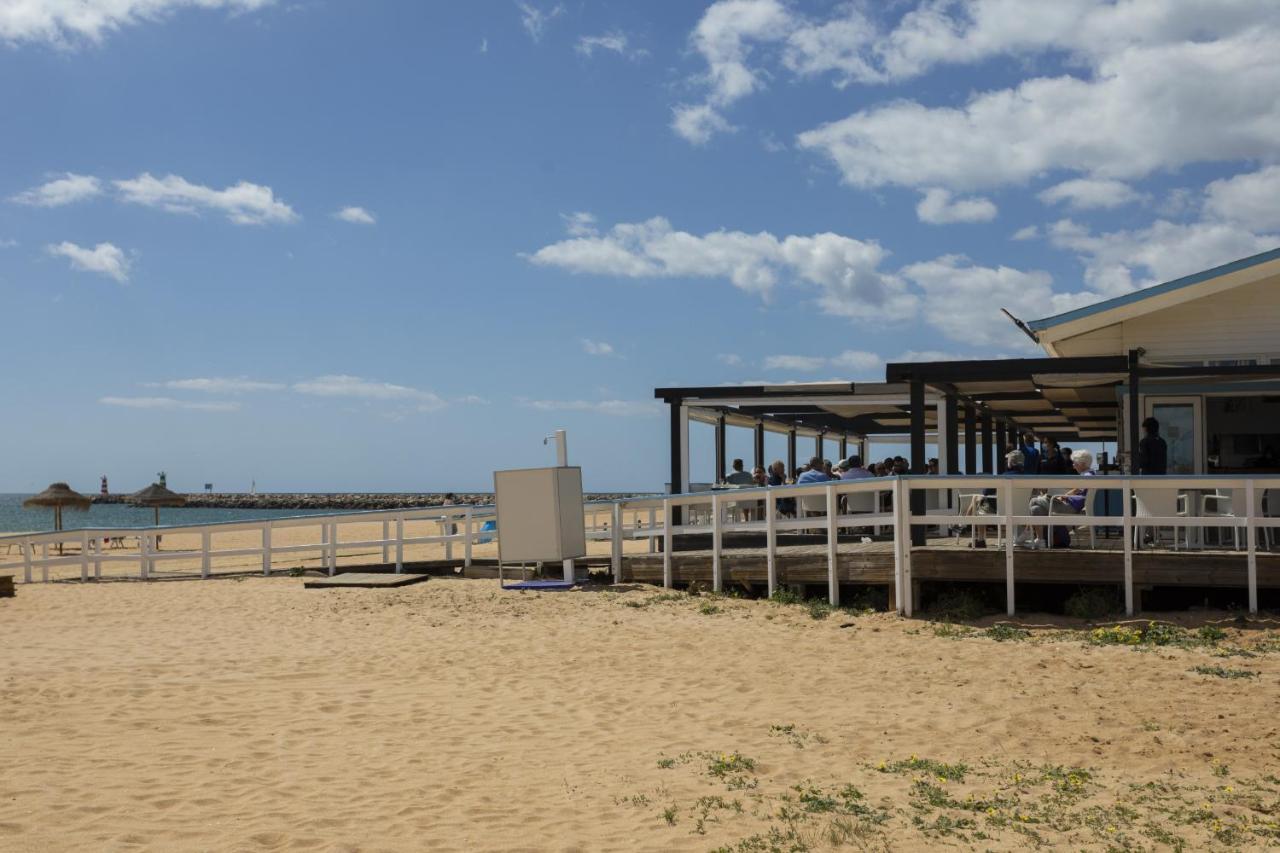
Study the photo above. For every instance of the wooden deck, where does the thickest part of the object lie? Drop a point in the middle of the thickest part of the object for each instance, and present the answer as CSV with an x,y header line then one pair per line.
x,y
943,560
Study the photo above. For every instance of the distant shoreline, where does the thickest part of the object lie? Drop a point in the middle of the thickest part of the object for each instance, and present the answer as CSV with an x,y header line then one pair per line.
x,y
337,500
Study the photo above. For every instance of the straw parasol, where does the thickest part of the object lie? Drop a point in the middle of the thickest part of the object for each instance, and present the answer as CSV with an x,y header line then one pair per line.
x,y
57,496
156,496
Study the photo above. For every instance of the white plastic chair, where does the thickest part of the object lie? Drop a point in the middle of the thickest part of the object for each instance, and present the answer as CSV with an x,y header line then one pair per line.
x,y
1157,503
1222,505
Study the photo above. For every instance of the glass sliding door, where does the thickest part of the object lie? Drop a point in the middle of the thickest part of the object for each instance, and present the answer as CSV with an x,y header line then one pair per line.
x,y
1182,427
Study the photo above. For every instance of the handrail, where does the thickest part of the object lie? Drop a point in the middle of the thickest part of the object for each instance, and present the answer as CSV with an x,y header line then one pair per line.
x,y
711,513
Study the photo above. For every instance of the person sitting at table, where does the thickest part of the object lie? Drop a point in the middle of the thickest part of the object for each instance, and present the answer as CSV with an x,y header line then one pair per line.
x,y
758,477
1070,503
738,477
777,476
853,469
816,472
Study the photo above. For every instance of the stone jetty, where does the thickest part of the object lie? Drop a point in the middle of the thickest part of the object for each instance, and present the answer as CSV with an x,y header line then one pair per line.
x,y
337,500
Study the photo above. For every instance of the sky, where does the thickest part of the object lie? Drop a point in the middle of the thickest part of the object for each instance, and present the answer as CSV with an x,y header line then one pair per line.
x,y
389,246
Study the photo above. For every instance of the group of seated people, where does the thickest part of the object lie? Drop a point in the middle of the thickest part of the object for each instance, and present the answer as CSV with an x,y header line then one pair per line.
x,y
1071,502
819,470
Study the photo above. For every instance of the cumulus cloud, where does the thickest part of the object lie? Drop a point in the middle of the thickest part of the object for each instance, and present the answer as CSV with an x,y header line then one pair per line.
x,y
615,408
105,259
1089,193
243,203
579,224
343,385
1127,119
697,123
219,385
67,189
939,207
65,22
168,403
535,19
856,360
591,347
729,358
1029,232
844,271
1251,200
356,216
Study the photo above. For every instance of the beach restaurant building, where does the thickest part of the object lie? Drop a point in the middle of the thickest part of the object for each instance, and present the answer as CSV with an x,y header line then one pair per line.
x,y
1201,354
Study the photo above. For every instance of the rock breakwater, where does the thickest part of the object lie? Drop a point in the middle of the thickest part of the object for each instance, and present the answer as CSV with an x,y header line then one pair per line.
x,y
339,500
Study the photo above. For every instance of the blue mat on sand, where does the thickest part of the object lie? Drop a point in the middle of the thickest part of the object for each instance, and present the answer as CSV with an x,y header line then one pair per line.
x,y
544,585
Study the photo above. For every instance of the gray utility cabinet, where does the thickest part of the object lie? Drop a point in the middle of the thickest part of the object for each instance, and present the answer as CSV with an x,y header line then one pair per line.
x,y
540,517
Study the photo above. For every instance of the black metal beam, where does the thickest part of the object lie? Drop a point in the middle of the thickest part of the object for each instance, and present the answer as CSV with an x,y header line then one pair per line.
x,y
1003,369
759,443
970,440
728,392
988,466
1133,411
919,465
791,452
844,446
1002,444
676,439
818,450
720,449
953,434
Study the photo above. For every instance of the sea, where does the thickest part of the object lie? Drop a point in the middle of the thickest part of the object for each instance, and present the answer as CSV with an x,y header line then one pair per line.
x,y
15,519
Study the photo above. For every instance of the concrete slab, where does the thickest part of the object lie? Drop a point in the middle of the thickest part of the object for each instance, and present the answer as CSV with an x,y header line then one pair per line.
x,y
363,580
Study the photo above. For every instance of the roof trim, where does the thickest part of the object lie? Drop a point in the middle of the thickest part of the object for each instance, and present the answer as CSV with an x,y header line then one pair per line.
x,y
1154,290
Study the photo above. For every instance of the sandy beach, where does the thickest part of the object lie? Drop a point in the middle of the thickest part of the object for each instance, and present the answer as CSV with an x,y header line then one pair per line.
x,y
251,714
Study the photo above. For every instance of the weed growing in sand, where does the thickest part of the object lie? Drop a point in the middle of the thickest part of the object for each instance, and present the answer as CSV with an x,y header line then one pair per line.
x,y
819,609
1156,634
796,737
706,608
950,631
782,595
666,763
937,769
660,598
731,768
1002,633
1150,726
669,814
1222,672
705,808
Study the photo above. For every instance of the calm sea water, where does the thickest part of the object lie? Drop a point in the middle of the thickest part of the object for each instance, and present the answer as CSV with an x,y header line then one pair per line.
x,y
13,518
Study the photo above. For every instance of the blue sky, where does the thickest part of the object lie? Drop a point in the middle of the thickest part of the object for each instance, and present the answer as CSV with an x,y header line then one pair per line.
x,y
389,246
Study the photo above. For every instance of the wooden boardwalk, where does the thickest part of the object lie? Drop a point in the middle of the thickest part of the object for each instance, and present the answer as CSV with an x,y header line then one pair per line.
x,y
943,560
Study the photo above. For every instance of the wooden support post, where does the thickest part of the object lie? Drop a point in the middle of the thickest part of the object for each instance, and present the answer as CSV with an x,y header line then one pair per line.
x,y
84,556
1126,506
833,552
27,548
400,543
44,559
617,542
1006,504
386,544
919,465
818,450
205,559
97,558
144,549
771,540
333,548
1251,531
653,522
717,577
466,544
667,538
902,579
266,548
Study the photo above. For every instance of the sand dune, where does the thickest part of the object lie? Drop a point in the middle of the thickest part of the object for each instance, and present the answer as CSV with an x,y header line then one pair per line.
x,y
250,714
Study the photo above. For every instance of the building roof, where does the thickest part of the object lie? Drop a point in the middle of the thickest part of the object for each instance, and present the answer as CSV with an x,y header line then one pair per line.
x,y
1177,291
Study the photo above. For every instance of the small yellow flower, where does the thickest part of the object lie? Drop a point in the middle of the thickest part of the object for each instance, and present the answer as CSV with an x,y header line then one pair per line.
x,y
943,780
1111,829
990,810
1229,789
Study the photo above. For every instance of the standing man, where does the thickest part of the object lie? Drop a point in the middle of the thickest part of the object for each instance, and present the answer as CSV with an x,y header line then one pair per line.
x,y
1030,455
1153,453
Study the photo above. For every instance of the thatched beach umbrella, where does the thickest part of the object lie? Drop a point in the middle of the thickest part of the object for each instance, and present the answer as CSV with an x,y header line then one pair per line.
x,y
156,496
57,496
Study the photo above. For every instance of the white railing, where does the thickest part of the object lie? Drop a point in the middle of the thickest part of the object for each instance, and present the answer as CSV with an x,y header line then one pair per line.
x,y
455,525
872,503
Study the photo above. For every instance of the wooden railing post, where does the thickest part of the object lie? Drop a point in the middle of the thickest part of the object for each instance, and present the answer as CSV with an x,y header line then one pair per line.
x,y
617,542
205,557
771,541
833,554
717,579
1252,534
144,551
653,522
400,543
266,548
1006,502
97,558
1126,507
27,548
386,545
667,538
466,543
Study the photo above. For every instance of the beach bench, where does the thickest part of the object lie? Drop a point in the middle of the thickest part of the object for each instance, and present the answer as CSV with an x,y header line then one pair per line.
x,y
6,586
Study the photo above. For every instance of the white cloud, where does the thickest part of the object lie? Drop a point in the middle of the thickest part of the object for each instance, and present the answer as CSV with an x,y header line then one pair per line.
x,y
1118,262
484,45
962,300
219,385
342,385
794,362
615,408
1029,232
591,347
613,41
697,123
535,19
580,224
857,360
104,258
243,203
62,22
1251,200
356,216
1090,193
845,271
67,189
729,358
1127,119
473,400
8,243
938,207
168,403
